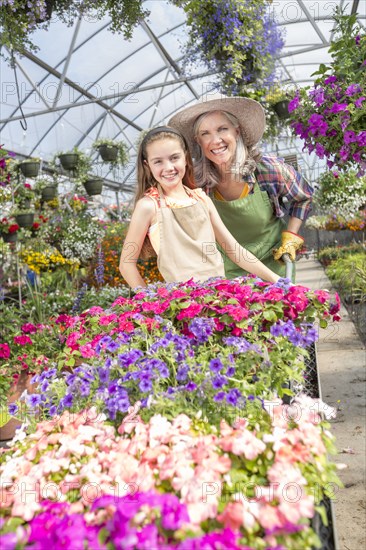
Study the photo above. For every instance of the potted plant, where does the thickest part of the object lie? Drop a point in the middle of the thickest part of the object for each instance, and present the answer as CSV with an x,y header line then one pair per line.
x,y
23,195
46,188
112,151
77,161
9,229
24,217
330,116
93,185
30,167
20,19
278,100
238,40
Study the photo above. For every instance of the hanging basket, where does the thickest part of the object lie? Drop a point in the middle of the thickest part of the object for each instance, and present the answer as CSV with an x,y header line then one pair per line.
x,y
49,193
30,169
281,109
69,161
93,186
108,153
9,237
25,220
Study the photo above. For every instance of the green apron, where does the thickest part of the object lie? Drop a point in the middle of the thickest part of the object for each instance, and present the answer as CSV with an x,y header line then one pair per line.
x,y
253,224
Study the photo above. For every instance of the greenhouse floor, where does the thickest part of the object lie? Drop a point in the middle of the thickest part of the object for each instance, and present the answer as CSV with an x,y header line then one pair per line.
x,y
341,363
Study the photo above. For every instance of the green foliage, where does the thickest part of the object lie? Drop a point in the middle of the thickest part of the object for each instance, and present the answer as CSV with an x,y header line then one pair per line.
x,y
20,19
342,193
349,274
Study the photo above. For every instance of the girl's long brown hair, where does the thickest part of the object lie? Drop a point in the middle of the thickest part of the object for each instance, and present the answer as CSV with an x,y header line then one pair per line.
x,y
145,179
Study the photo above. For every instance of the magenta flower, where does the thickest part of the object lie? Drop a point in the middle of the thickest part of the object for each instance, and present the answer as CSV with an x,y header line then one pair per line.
x,y
349,137
29,328
361,139
317,125
294,103
4,351
330,79
22,340
358,102
337,107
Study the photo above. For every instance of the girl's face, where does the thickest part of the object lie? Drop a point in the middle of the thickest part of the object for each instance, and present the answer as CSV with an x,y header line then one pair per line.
x,y
167,162
217,138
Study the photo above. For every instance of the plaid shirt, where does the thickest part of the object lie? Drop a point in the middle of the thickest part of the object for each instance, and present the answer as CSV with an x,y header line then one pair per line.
x,y
281,181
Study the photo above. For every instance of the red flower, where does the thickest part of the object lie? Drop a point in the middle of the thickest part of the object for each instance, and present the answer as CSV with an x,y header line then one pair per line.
x,y
13,228
35,225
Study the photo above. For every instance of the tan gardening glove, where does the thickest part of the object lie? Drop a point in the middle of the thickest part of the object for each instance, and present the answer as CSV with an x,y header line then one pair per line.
x,y
290,243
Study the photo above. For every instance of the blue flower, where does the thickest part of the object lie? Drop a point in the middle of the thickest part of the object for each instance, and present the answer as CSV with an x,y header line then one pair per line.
x,y
33,400
216,365
13,409
219,381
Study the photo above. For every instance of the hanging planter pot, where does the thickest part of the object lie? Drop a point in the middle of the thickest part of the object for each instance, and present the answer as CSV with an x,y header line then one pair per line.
x,y
281,109
108,153
49,193
25,220
30,169
9,237
93,186
69,161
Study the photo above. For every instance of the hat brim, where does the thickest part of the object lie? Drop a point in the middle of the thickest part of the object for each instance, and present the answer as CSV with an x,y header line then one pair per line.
x,y
249,113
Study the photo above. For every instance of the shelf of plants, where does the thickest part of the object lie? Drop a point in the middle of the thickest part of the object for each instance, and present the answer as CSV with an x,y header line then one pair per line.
x,y
159,423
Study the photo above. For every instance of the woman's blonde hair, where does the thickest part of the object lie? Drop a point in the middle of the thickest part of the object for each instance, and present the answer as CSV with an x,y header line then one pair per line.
x,y
145,178
206,173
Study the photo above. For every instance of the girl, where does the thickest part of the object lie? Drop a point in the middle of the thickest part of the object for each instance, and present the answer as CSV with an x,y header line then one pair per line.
x,y
177,219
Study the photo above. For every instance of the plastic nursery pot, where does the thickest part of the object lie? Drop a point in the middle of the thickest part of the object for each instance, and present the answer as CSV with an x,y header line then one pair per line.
x,y
9,237
281,109
30,169
25,220
49,193
93,186
69,160
108,153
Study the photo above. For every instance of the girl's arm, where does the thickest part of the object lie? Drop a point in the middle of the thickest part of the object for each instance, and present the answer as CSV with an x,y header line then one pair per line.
x,y
137,231
239,255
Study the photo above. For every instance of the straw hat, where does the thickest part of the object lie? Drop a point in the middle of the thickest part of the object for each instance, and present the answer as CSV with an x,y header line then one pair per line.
x,y
250,115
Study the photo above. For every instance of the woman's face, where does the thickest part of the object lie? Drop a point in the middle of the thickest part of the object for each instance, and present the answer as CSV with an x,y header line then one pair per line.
x,y
217,138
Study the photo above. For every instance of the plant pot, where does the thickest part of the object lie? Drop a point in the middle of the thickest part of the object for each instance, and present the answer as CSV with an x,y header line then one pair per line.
x,y
49,193
8,430
9,237
69,161
108,153
281,109
25,220
30,169
93,186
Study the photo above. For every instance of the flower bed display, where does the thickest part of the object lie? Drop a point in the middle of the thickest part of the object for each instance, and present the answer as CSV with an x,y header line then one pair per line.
x,y
160,484
159,424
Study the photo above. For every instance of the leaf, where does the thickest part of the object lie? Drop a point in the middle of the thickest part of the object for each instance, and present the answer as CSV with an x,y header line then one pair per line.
x,y
270,315
323,323
70,362
4,418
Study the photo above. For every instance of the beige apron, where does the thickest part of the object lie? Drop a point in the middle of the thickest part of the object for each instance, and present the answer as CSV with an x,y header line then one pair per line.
x,y
187,243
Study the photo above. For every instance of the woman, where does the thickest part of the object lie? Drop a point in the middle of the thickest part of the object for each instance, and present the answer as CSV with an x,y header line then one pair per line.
x,y
247,189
